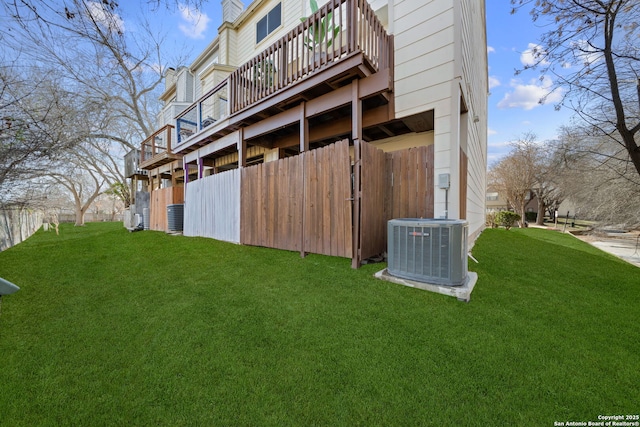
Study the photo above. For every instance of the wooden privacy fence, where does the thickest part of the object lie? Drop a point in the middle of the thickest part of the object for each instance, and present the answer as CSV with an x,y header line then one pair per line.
x,y
301,203
272,202
158,202
212,207
398,184
313,202
410,183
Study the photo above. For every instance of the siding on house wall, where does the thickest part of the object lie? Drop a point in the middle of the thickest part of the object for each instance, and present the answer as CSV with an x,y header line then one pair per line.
x,y
206,76
475,84
441,57
424,55
292,11
405,141
424,71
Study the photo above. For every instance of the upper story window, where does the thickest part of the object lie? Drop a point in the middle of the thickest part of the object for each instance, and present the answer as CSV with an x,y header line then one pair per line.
x,y
270,22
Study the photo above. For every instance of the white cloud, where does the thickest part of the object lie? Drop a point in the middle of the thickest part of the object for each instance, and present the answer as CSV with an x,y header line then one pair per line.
x,y
490,49
491,131
111,21
493,82
535,54
194,23
529,96
500,144
584,53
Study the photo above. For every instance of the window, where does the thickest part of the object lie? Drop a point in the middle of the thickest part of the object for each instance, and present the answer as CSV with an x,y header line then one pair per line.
x,y
270,22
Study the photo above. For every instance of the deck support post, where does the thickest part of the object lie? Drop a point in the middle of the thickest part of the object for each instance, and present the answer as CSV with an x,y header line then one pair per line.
x,y
304,147
242,149
304,128
356,136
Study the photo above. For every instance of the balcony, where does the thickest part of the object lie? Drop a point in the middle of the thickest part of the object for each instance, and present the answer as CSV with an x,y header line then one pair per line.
x,y
132,165
337,34
208,110
156,149
341,41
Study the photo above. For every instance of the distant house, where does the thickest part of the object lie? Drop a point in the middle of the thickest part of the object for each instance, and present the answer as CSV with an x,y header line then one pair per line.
x,y
496,203
309,134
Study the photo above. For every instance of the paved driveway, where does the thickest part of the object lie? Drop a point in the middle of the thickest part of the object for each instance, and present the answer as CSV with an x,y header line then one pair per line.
x,y
622,245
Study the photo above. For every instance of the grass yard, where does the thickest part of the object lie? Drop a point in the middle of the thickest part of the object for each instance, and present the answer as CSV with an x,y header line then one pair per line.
x,y
118,328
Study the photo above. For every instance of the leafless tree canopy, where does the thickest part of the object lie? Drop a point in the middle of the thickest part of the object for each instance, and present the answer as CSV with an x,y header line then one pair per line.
x,y
33,111
592,49
514,176
530,168
598,179
76,89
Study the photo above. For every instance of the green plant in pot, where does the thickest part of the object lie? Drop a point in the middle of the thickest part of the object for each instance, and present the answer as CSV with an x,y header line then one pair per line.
x,y
264,71
318,33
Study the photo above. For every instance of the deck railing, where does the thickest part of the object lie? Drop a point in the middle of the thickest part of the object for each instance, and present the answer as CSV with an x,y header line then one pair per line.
x,y
210,108
157,143
132,163
335,31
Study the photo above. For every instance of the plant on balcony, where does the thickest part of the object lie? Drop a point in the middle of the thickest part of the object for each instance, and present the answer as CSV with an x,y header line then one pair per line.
x,y
317,33
264,73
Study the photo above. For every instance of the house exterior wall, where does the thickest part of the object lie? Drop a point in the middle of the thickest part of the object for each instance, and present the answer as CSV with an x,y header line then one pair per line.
x,y
475,88
401,142
441,65
246,46
424,35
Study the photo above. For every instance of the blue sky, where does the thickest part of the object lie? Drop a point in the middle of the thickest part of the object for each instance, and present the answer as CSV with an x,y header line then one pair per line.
x,y
513,103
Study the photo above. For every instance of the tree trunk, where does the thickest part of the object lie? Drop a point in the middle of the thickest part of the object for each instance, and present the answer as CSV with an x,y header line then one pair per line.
x,y
523,218
79,216
541,209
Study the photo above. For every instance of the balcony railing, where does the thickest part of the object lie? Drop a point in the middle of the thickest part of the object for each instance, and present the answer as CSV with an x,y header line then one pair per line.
x,y
132,164
209,109
157,143
339,29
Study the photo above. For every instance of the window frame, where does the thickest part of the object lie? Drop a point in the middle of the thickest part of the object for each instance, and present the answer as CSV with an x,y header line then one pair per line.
x,y
266,19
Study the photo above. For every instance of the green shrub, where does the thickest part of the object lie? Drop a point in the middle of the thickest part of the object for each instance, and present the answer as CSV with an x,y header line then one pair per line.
x,y
531,216
490,220
507,219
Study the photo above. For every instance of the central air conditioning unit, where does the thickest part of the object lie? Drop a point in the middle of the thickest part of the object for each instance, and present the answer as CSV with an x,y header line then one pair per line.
x,y
428,250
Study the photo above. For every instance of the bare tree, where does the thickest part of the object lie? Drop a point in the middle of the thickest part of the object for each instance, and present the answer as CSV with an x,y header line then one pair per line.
x,y
33,112
85,43
592,50
597,178
514,176
548,171
112,79
84,185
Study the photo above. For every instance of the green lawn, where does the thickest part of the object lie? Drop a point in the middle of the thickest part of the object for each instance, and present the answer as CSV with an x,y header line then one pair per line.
x,y
118,328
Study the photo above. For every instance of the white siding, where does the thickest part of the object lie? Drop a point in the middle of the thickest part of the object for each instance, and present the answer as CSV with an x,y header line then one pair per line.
x,y
440,57
402,142
475,84
424,42
292,11
212,207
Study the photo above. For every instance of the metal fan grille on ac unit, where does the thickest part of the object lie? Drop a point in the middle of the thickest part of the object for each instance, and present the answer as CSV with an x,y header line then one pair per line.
x,y
428,250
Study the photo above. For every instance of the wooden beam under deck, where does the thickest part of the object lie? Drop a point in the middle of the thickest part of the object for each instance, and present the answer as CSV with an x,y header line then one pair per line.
x,y
367,87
